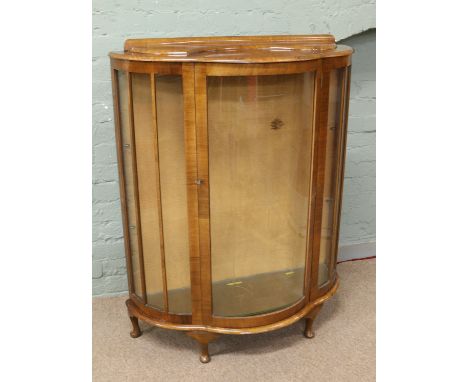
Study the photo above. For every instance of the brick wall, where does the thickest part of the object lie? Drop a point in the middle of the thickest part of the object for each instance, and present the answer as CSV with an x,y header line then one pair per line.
x,y
358,211
114,21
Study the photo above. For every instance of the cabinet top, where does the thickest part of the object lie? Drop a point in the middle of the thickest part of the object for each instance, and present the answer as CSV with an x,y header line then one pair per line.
x,y
233,49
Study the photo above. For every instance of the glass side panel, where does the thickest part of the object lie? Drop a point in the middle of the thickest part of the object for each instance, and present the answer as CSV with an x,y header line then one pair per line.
x,y
148,183
127,156
329,194
170,118
260,143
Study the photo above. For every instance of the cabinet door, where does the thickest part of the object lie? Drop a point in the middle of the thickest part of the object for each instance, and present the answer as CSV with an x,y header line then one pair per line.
x,y
255,158
151,131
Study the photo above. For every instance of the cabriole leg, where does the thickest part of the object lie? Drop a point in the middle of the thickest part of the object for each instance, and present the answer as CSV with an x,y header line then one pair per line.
x,y
203,339
136,332
309,331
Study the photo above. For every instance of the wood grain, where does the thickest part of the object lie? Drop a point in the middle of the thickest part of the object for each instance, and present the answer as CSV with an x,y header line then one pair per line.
x,y
192,190
134,310
203,184
238,49
227,153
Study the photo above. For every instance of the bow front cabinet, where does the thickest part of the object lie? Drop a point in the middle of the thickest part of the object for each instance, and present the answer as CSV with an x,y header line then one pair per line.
x,y
231,154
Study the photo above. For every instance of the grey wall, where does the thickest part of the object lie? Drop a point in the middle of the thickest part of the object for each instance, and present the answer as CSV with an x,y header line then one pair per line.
x,y
358,211
114,21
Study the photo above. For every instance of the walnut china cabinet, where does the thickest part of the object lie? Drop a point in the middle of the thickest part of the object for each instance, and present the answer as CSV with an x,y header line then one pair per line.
x,y
231,154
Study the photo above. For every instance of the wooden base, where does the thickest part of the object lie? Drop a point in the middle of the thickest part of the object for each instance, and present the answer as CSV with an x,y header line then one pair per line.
x,y
204,334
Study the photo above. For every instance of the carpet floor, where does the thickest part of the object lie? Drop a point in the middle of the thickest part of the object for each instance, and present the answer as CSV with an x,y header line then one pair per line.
x,y
343,348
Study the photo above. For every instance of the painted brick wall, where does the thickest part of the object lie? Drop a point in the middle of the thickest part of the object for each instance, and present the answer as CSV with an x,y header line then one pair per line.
x,y
116,20
358,211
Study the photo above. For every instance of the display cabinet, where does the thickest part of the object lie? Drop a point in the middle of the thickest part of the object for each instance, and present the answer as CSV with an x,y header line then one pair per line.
x,y
231,154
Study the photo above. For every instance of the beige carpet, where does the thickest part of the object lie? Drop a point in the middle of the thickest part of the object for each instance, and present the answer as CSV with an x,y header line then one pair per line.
x,y
342,350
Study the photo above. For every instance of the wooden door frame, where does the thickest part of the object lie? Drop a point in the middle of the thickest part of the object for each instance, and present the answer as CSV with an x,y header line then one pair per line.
x,y
201,264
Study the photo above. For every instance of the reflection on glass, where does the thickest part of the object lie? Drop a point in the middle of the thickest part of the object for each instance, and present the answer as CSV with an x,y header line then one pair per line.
x,y
170,118
330,182
164,143
145,140
260,135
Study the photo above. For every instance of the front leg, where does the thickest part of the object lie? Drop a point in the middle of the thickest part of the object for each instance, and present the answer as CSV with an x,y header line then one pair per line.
x,y
309,331
136,332
203,338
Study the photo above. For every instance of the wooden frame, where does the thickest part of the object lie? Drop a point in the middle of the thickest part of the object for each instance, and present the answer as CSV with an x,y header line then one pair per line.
x,y
317,54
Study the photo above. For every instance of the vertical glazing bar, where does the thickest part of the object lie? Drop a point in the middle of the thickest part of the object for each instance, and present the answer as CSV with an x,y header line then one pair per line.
x,y
319,174
158,190
310,213
338,171
203,184
135,187
188,78
347,81
123,196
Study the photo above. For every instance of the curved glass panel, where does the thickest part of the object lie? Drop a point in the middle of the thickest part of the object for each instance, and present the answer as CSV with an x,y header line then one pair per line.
x,y
127,157
148,183
260,143
160,161
170,118
330,193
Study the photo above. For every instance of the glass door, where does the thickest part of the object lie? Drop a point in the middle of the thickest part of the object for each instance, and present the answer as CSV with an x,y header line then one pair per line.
x,y
259,137
153,164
